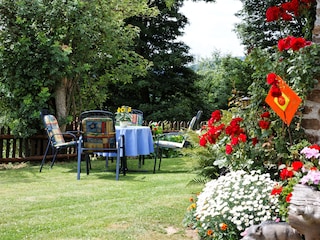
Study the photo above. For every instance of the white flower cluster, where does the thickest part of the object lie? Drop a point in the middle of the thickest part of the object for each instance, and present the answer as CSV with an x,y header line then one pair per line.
x,y
238,198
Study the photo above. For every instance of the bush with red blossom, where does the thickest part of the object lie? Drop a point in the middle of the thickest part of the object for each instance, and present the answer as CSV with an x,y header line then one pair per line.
x,y
288,10
233,145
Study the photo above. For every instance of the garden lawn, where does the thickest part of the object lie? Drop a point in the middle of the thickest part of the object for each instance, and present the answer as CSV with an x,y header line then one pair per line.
x,y
54,205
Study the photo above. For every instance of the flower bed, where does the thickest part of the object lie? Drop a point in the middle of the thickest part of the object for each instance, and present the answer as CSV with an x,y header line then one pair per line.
x,y
231,203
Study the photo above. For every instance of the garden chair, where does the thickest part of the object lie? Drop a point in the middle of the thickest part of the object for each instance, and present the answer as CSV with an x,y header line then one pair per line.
x,y
162,144
56,138
136,117
97,134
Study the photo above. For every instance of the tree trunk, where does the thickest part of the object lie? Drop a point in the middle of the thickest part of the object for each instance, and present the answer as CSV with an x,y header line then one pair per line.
x,y
304,211
61,102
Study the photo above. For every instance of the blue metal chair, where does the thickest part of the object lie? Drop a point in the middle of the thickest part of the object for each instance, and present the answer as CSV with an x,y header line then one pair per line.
x,y
97,134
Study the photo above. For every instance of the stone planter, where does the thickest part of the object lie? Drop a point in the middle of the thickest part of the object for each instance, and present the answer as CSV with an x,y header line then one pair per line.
x,y
304,211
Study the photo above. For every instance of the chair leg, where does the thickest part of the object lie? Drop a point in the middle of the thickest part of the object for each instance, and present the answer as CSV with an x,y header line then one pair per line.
x,y
118,165
88,163
141,161
160,158
79,151
155,159
54,157
44,156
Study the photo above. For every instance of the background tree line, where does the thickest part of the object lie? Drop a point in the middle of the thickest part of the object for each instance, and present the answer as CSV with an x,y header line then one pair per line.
x,y
70,56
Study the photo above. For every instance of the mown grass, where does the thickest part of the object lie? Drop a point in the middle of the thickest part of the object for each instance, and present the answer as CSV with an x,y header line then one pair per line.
x,y
54,205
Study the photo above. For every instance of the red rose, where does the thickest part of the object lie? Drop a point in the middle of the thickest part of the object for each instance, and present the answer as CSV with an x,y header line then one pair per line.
x,y
295,7
272,78
228,149
234,141
286,17
264,124
273,13
297,165
254,141
275,91
276,190
288,197
265,115
288,6
285,173
315,146
284,43
242,137
216,116
203,141
297,43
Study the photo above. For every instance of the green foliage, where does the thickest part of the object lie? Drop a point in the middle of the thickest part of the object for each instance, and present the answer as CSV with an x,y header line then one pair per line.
x,y
167,91
83,45
255,32
222,76
204,158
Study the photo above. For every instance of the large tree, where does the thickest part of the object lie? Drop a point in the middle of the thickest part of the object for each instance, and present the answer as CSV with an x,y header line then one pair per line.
x,y
168,90
61,54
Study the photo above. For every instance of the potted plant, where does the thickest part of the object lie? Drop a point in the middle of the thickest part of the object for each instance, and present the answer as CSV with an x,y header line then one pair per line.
x,y
123,116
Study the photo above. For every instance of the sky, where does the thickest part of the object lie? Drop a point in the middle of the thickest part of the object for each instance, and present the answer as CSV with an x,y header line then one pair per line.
x,y
211,28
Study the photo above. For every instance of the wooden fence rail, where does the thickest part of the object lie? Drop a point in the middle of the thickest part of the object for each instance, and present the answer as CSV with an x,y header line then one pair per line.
x,y
14,149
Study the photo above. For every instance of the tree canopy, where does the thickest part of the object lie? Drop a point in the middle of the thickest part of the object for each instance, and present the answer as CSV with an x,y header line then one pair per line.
x,y
168,90
59,54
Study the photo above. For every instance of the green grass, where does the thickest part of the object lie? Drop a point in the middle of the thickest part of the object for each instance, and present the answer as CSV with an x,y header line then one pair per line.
x,y
54,205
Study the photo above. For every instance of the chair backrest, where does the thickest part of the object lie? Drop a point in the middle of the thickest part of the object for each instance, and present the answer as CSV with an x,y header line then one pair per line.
x,y
198,118
195,121
192,123
98,130
136,117
52,127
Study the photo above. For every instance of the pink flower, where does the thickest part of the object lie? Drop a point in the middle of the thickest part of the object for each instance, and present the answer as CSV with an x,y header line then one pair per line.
x,y
310,152
312,178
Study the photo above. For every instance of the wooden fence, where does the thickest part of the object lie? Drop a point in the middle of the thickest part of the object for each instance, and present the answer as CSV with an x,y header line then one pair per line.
x,y
13,149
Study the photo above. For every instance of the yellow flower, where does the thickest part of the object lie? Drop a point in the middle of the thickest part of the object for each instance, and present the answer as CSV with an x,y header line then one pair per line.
x,y
192,206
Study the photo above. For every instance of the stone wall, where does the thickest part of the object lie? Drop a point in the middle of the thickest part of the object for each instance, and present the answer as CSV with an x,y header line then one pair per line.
x,y
316,30
311,118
